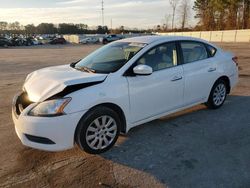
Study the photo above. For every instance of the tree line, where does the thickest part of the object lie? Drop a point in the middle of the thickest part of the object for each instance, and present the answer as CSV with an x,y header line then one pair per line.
x,y
210,14
222,14
62,28
50,28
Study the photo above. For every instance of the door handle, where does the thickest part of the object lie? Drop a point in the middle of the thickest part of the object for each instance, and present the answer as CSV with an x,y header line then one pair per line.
x,y
212,69
176,78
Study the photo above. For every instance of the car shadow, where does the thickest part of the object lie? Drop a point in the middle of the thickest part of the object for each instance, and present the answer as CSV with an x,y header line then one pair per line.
x,y
197,147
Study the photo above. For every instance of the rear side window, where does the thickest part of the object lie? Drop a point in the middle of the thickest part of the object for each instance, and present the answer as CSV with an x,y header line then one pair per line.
x,y
211,50
193,51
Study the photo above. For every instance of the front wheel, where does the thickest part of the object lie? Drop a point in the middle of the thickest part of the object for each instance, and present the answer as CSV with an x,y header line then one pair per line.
x,y
218,95
98,131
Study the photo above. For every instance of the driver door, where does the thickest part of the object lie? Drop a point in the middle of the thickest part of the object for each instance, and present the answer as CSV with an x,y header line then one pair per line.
x,y
161,91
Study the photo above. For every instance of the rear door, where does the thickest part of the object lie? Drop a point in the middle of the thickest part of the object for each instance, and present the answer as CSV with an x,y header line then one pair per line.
x,y
200,71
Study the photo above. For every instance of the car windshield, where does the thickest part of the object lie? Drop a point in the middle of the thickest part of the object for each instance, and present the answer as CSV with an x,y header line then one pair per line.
x,y
109,58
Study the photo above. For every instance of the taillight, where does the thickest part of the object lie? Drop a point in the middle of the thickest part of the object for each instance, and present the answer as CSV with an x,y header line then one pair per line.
x,y
235,59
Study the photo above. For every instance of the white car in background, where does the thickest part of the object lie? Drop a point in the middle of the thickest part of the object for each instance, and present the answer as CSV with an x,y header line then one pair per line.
x,y
121,85
89,40
110,38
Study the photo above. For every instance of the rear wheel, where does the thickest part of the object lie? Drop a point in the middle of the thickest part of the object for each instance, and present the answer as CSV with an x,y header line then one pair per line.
x,y
105,41
98,131
218,95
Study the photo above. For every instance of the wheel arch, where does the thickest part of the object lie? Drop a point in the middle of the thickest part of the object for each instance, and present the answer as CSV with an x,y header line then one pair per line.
x,y
119,111
227,81
114,107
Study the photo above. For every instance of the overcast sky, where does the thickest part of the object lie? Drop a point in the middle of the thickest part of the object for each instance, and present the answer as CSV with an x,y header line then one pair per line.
x,y
130,13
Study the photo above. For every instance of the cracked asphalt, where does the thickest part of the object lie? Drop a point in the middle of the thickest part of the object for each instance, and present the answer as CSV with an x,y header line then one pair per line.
x,y
196,147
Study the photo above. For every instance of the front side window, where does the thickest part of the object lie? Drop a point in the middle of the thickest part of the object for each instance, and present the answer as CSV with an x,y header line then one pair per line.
x,y
160,57
193,51
110,58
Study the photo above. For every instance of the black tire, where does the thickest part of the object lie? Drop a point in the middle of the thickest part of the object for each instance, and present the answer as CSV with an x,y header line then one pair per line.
x,y
211,103
87,120
105,41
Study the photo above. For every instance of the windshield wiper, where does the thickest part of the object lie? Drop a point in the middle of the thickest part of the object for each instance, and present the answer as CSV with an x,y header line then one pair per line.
x,y
86,69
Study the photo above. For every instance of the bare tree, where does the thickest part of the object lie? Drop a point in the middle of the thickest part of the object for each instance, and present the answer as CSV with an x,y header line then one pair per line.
x,y
173,4
14,26
184,12
3,25
165,22
246,14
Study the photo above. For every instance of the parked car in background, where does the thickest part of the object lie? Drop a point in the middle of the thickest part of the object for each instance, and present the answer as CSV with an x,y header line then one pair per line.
x,y
25,41
58,41
29,41
121,85
18,41
36,41
4,42
89,40
110,38
43,40
22,40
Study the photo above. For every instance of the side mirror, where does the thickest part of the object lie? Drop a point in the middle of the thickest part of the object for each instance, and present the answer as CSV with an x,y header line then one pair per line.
x,y
143,70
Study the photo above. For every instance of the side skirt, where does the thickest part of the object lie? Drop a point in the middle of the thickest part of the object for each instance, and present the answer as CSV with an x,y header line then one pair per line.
x,y
130,126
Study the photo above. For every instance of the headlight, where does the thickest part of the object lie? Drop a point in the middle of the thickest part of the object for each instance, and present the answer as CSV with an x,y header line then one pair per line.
x,y
50,108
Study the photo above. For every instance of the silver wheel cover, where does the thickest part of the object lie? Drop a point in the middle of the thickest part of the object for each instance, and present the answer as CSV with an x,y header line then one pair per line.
x,y
219,94
101,132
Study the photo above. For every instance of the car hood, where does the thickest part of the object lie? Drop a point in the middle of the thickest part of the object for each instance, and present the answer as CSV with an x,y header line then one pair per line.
x,y
47,82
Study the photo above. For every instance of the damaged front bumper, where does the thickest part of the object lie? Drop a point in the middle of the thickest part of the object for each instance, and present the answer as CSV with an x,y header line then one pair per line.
x,y
44,133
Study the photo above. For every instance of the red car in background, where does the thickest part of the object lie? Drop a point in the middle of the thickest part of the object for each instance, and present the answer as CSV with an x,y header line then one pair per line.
x,y
58,41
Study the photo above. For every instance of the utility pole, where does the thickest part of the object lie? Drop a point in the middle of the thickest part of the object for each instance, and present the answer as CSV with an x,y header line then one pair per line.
x,y
111,25
102,13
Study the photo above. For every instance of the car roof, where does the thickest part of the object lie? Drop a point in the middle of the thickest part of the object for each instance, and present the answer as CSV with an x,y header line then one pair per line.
x,y
155,38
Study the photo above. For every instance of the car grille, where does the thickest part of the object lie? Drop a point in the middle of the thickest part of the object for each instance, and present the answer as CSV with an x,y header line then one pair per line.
x,y
21,102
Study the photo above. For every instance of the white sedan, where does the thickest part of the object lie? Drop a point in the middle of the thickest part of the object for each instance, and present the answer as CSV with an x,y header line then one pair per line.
x,y
117,87
89,40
